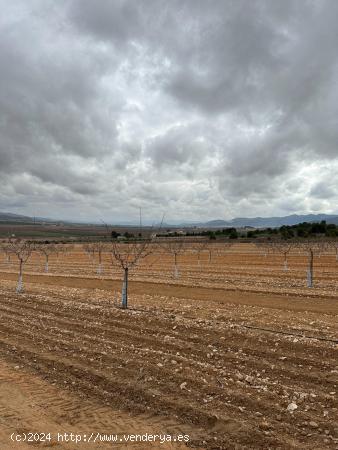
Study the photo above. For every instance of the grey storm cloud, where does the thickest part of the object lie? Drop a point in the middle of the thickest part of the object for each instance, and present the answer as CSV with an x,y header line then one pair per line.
x,y
179,146
196,107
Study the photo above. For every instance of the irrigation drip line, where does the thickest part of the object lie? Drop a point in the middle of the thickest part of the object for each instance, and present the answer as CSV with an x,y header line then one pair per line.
x,y
269,330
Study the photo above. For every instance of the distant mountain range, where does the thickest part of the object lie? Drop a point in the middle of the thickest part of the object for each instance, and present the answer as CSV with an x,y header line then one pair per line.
x,y
8,217
266,222
240,222
18,218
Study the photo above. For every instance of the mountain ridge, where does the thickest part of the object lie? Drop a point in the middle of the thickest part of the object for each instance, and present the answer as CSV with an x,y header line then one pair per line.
x,y
273,221
238,222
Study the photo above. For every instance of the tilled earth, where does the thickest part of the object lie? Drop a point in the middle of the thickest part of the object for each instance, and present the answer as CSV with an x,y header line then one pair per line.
x,y
241,267
232,374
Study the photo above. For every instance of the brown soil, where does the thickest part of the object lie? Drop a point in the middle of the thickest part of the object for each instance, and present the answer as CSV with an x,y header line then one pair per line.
x,y
221,365
29,404
265,300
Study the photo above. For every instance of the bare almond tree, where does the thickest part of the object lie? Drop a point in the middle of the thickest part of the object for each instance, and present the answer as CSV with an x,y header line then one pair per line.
x,y
333,243
264,246
22,249
47,249
283,247
210,249
99,248
312,248
175,248
92,248
63,249
127,255
223,247
89,249
5,248
200,247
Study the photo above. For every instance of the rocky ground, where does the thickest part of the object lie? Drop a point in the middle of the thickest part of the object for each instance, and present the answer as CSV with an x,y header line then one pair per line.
x,y
234,370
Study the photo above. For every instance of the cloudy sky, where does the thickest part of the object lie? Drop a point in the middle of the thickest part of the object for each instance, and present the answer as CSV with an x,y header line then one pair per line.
x,y
199,109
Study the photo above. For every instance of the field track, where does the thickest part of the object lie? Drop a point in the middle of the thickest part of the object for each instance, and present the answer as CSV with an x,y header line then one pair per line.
x,y
297,303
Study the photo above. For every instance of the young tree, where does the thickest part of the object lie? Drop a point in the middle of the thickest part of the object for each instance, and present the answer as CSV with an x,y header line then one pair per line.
x,y
312,247
23,250
47,249
211,249
89,249
199,247
63,248
283,247
264,247
223,246
5,248
99,248
127,255
333,243
175,248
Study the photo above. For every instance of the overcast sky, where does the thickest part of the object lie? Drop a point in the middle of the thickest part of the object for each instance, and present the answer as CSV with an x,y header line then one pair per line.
x,y
201,109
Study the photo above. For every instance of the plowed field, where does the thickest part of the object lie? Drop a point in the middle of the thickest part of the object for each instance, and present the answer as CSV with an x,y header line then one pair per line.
x,y
236,353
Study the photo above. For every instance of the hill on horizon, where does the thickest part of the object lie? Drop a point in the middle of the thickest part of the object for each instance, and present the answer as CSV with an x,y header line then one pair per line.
x,y
271,222
238,222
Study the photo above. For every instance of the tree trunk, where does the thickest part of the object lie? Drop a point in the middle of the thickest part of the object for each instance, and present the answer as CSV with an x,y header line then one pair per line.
x,y
99,268
176,274
125,289
20,283
310,270
285,262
